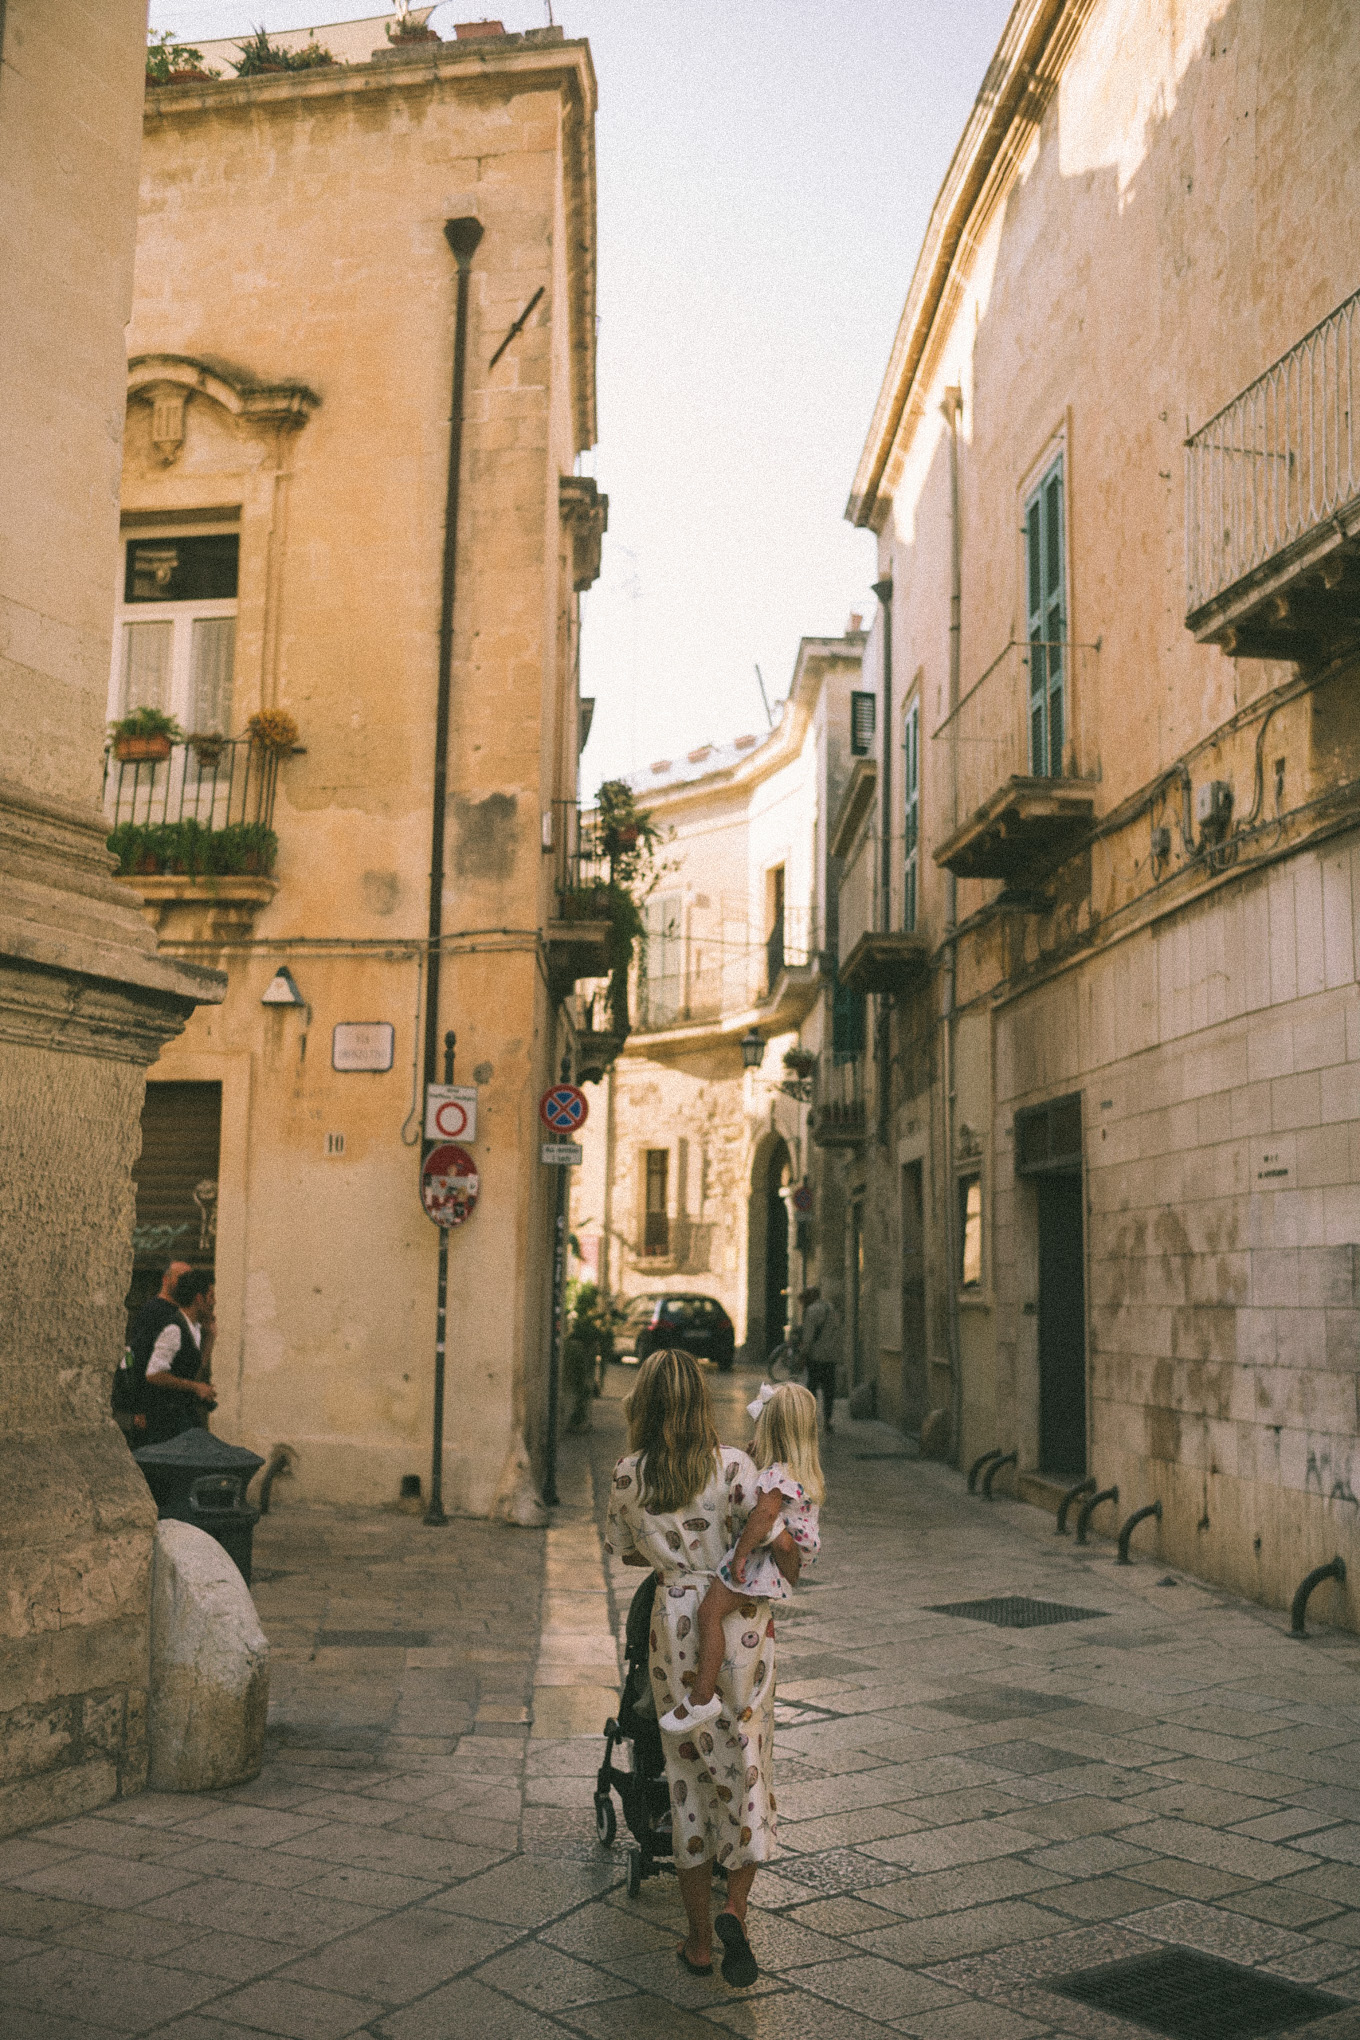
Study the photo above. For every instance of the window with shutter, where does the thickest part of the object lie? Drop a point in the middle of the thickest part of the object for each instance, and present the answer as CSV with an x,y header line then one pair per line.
x,y
1045,587
862,718
911,781
847,1024
656,1237
660,961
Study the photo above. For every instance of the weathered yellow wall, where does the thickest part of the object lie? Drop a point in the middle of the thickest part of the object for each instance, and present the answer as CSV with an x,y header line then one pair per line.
x,y
297,229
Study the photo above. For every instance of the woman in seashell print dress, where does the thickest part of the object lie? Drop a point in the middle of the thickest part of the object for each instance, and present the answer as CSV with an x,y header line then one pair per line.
x,y
678,1503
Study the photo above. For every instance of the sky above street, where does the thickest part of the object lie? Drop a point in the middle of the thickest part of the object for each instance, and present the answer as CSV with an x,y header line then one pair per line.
x,y
766,171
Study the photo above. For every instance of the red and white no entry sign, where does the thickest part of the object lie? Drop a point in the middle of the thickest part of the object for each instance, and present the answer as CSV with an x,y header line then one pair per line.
x,y
450,1112
563,1107
449,1184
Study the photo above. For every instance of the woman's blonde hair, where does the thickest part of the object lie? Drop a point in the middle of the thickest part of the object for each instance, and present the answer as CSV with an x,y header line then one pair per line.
x,y
786,1432
670,1425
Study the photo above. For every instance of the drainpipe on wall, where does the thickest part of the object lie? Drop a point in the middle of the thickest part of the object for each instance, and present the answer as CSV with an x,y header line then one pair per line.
x,y
884,591
462,236
953,404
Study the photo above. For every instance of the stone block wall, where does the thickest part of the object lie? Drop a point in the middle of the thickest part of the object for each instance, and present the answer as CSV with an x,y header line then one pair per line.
x,y
1222,1165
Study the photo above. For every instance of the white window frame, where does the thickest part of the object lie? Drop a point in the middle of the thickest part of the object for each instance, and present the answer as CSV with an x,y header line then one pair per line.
x,y
181,616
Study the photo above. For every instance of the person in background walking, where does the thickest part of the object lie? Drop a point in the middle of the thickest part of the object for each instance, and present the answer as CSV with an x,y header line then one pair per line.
x,y
180,1361
819,1349
129,1381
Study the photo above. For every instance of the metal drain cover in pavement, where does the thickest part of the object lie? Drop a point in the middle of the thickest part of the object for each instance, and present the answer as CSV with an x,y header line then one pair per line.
x,y
1193,1997
1016,1611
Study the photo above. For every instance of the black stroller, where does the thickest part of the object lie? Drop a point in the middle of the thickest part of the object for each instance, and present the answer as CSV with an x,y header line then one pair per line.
x,y
642,1788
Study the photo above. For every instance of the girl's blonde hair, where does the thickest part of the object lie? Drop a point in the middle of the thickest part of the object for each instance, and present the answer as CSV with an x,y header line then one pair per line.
x,y
786,1432
670,1424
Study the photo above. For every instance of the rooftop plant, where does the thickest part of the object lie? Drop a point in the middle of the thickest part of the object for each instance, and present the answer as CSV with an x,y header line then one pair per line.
x,y
259,55
173,63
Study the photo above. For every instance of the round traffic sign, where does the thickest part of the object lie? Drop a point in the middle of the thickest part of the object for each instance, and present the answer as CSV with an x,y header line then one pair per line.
x,y
450,1118
448,1184
563,1107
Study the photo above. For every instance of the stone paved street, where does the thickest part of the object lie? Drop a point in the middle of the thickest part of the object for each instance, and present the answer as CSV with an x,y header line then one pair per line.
x,y
967,1811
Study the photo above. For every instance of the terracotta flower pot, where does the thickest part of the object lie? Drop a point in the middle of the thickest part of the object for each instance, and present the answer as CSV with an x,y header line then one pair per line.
x,y
148,865
128,749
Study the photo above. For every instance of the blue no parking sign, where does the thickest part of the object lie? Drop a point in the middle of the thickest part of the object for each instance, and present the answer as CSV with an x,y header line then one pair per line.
x,y
563,1107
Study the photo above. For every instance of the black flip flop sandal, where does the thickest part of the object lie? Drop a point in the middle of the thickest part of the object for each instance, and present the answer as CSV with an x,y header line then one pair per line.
x,y
694,1968
739,1965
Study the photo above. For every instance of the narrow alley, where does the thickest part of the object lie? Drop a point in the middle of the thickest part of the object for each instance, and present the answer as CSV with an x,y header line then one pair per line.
x,y
971,1815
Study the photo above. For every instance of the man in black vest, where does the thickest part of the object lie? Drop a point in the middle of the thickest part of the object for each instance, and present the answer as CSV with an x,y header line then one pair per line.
x,y
179,1361
129,1382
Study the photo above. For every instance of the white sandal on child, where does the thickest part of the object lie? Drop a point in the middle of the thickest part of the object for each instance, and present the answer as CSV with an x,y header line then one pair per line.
x,y
690,1714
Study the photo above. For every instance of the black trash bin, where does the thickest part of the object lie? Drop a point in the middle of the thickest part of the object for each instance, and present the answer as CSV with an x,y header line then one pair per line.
x,y
196,1478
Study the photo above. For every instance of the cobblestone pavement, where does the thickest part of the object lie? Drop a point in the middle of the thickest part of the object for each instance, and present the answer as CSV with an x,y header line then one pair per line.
x,y
969,1813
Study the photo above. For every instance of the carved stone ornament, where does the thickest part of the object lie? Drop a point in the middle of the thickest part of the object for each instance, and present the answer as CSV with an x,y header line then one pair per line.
x,y
167,422
585,512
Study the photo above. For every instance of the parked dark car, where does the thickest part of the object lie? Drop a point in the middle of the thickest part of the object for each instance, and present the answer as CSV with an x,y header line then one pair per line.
x,y
696,1323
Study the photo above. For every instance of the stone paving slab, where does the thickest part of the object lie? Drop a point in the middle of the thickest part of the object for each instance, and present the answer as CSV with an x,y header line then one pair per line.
x,y
967,1812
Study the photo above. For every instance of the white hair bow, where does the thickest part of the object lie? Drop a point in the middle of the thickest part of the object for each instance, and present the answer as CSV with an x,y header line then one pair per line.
x,y
753,1409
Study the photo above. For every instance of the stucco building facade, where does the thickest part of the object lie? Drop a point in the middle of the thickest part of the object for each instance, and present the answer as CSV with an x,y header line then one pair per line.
x,y
321,257
694,1163
85,1002
1115,482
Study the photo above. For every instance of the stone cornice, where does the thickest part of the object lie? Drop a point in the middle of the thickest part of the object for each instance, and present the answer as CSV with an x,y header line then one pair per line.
x,y
78,943
510,62
585,512
238,391
1020,81
783,743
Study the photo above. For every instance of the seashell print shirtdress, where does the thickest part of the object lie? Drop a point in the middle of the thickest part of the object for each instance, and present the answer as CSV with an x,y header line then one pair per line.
x,y
721,1778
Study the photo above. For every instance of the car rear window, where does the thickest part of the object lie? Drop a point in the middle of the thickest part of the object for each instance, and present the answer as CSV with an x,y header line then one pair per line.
x,y
690,1310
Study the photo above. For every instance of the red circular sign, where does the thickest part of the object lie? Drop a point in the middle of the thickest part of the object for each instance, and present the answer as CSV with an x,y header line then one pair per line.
x,y
563,1107
449,1184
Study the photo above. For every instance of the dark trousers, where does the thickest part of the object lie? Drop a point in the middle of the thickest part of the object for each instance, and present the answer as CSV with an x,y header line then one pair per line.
x,y
821,1379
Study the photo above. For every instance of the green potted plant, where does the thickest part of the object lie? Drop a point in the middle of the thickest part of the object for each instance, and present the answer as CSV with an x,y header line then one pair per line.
x,y
173,63
407,31
259,55
146,733
207,746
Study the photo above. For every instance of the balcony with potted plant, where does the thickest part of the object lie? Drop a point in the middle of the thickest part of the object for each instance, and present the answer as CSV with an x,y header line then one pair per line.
x,y
191,817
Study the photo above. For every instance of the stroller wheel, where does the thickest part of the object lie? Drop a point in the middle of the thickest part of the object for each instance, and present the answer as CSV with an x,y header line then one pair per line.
x,y
606,1826
634,1872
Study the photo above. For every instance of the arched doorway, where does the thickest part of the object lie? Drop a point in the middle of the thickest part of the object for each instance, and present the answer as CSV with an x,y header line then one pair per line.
x,y
768,1258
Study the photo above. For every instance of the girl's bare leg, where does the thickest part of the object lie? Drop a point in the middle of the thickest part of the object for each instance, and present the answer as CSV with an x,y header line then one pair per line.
x,y
739,1884
714,1609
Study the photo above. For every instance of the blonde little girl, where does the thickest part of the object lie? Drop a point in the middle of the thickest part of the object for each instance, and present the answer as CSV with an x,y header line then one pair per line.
x,y
789,1492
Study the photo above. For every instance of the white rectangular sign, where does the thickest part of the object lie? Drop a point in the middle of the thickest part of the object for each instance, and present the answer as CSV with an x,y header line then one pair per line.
x,y
362,1045
562,1154
450,1112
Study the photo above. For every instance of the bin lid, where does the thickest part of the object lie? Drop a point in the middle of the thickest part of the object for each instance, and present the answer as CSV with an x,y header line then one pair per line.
x,y
198,1451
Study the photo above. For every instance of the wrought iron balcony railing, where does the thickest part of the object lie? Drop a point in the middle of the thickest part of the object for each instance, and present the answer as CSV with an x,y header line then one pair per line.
x,y
202,808
1013,756
839,1116
1276,466
217,782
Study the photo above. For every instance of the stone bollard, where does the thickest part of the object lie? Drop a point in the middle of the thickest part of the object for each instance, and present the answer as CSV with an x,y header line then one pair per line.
x,y
209,1666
